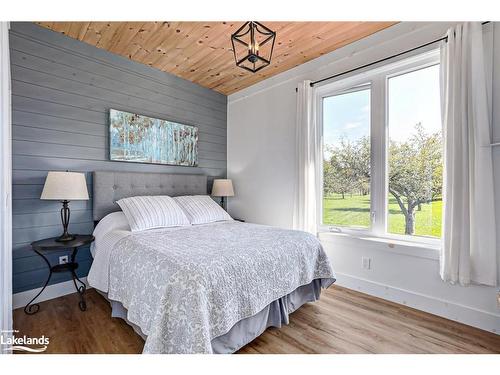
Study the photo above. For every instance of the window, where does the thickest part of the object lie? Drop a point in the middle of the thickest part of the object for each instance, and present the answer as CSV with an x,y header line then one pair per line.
x,y
415,167
382,151
346,158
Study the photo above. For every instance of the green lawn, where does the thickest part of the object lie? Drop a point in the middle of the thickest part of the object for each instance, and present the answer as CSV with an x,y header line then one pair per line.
x,y
355,211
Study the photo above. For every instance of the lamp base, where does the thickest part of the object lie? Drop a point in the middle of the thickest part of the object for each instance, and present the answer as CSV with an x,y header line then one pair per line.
x,y
65,214
65,237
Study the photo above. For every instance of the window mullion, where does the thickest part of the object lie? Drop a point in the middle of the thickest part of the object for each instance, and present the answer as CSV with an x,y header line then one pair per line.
x,y
378,156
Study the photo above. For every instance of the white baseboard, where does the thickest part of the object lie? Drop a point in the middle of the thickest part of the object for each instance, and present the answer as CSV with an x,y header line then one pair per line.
x,y
464,314
52,291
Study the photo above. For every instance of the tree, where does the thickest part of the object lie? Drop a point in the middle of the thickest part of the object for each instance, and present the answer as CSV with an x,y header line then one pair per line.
x,y
329,183
345,171
415,172
361,165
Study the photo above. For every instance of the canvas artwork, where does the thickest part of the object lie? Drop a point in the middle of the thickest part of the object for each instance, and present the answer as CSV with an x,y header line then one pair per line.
x,y
142,139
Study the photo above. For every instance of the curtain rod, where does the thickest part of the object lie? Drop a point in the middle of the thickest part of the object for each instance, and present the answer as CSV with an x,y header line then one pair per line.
x,y
445,38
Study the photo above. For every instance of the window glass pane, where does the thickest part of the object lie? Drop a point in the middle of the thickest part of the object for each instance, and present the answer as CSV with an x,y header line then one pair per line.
x,y
346,159
415,154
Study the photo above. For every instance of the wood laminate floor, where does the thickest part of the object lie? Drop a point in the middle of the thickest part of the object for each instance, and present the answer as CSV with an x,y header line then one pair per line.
x,y
343,321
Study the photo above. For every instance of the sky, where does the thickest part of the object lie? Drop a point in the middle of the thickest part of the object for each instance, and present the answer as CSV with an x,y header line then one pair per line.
x,y
413,98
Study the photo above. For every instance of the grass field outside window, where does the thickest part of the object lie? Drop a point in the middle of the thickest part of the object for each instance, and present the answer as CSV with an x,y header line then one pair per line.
x,y
354,211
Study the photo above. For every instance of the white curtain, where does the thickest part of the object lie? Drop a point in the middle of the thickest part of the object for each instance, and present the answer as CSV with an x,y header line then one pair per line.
x,y
307,161
5,188
469,238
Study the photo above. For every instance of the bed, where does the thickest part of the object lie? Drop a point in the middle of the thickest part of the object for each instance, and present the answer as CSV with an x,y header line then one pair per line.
x,y
209,288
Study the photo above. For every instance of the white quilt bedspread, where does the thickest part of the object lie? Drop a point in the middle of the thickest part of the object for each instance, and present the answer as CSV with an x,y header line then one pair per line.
x,y
186,286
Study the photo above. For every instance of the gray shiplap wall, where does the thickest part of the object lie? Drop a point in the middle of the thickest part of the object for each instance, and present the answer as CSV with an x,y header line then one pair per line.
x,y
62,91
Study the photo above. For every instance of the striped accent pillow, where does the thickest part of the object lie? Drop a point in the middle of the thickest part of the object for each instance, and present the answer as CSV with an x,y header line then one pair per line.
x,y
148,212
201,209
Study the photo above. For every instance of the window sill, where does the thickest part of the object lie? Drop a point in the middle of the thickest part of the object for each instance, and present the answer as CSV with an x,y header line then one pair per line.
x,y
409,248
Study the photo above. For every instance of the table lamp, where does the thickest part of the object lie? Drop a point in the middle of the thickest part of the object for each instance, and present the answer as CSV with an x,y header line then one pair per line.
x,y
222,188
65,187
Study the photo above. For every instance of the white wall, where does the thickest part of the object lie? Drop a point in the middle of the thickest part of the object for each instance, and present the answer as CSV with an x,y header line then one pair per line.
x,y
261,148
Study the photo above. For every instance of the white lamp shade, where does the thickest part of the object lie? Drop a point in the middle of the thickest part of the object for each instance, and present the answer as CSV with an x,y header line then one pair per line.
x,y
222,188
69,186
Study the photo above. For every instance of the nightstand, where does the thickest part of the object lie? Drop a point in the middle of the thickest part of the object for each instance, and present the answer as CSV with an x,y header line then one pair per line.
x,y
50,245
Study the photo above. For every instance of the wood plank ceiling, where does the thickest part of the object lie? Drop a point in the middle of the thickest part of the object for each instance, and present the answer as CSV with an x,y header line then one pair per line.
x,y
201,52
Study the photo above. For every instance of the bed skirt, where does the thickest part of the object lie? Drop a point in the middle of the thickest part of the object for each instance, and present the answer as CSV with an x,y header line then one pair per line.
x,y
273,315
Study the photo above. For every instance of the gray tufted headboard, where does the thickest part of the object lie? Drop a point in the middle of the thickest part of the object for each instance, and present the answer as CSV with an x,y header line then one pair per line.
x,y
110,187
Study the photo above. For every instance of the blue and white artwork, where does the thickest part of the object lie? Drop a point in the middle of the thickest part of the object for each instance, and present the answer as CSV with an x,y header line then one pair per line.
x,y
141,139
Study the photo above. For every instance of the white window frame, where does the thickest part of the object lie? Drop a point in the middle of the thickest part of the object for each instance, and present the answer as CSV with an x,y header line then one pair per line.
x,y
377,79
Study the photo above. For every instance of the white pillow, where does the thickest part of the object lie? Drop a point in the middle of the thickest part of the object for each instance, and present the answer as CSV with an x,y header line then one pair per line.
x,y
201,209
148,212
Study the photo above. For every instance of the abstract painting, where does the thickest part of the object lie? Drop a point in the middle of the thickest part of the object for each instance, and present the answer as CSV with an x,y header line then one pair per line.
x,y
142,139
